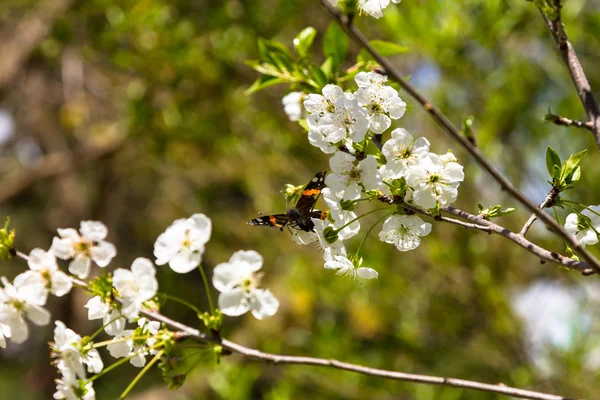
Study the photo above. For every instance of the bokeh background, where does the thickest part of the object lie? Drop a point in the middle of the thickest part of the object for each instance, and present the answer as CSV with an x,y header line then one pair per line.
x,y
133,112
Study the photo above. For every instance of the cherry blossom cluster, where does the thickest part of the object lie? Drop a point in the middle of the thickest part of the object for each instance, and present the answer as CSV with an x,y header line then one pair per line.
x,y
343,124
120,297
374,8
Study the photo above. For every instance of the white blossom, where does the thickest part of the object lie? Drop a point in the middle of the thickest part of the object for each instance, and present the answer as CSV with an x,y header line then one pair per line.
x,y
112,319
182,244
402,151
347,121
135,348
345,267
336,248
383,104
404,231
318,139
292,105
433,182
85,248
69,388
73,354
238,280
365,79
584,229
448,157
374,8
319,105
135,286
43,265
347,176
22,299
340,216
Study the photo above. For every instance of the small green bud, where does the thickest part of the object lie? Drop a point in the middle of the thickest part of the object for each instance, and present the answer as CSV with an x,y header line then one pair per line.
x,y
7,240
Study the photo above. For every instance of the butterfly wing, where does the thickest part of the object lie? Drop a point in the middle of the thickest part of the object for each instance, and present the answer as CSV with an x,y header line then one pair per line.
x,y
322,215
272,221
311,193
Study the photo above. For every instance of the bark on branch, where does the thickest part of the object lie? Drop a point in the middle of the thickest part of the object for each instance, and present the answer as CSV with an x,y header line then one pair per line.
x,y
582,85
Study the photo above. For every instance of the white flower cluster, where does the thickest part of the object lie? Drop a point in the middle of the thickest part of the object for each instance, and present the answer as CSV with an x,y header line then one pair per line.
x,y
374,8
341,124
25,297
340,118
120,297
585,226
182,247
73,356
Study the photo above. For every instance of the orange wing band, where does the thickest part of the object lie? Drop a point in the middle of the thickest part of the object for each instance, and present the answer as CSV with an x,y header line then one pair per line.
x,y
311,192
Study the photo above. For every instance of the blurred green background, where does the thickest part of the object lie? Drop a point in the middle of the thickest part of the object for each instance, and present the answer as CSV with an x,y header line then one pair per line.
x,y
133,112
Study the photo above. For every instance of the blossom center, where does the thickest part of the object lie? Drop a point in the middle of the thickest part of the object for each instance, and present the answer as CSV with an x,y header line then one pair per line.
x,y
83,246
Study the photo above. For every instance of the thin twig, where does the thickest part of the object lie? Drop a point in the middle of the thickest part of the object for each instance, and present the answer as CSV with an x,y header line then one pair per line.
x,y
563,121
356,35
481,224
571,61
548,201
253,354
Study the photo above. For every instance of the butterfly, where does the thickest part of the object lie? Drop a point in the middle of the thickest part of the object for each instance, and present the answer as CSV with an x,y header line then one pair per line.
x,y
298,217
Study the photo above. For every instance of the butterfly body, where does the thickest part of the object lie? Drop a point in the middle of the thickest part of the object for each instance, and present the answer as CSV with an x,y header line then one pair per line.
x,y
300,216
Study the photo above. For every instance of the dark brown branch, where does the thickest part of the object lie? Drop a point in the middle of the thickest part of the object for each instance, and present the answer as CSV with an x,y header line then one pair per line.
x,y
478,223
355,34
18,42
571,61
54,164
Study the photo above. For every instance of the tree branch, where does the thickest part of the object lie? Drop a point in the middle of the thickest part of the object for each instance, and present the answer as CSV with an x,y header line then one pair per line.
x,y
571,61
183,330
355,34
270,358
478,223
54,164
18,42
563,121
548,201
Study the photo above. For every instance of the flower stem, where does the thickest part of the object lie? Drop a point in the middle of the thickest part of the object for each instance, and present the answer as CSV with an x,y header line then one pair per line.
x,y
181,301
581,205
120,340
142,373
111,367
207,289
104,326
359,217
369,231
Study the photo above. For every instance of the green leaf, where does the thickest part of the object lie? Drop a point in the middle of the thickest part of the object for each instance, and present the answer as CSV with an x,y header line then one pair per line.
x,y
335,44
263,81
556,171
571,166
327,67
318,75
576,175
387,49
304,40
552,159
275,53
